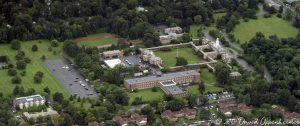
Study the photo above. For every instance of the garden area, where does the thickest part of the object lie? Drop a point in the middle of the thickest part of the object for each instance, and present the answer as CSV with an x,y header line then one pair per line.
x,y
169,57
44,48
98,39
268,26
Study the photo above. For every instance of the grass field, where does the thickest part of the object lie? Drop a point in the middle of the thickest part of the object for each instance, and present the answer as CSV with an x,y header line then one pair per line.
x,y
209,80
169,57
97,40
218,15
268,26
147,95
35,65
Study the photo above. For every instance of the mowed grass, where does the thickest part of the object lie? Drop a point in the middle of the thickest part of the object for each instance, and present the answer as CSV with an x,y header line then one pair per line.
x,y
97,40
218,15
209,80
268,26
147,95
169,57
35,65
194,30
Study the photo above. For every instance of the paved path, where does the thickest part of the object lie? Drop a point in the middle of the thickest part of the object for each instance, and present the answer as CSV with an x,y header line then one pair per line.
x,y
70,78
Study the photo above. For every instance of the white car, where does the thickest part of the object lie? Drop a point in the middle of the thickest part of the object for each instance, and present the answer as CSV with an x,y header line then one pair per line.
x,y
83,85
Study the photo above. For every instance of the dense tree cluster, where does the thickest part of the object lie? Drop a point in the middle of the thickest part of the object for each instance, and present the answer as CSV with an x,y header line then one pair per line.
x,y
33,19
282,58
86,59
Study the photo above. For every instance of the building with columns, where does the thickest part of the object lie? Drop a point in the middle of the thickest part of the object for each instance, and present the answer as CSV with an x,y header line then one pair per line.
x,y
29,101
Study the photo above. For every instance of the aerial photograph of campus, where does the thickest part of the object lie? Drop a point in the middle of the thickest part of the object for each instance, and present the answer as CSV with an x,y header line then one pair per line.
x,y
149,62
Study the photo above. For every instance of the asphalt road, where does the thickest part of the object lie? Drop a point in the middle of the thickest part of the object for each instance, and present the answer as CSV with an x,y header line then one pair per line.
x,y
70,78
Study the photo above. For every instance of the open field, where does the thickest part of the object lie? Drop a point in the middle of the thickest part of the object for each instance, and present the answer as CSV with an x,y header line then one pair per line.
x,y
209,80
97,40
268,26
35,65
169,57
147,95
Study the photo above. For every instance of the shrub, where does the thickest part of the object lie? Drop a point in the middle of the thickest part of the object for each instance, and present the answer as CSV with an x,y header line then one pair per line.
x,y
54,43
27,60
15,45
23,73
16,80
12,72
34,48
21,65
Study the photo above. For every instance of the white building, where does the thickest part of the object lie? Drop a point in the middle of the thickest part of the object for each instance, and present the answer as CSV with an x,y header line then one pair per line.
x,y
28,101
150,57
173,33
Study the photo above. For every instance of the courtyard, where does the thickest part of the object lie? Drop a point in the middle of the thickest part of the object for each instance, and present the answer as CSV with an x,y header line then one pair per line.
x,y
169,57
147,95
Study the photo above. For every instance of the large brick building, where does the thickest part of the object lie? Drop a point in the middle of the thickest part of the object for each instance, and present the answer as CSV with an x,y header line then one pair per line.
x,y
167,82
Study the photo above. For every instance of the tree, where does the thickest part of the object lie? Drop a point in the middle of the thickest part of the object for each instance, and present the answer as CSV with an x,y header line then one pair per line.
x,y
16,80
180,61
186,37
34,48
12,72
197,19
58,97
21,65
222,73
297,22
176,104
16,90
37,79
47,90
192,100
15,45
201,87
137,101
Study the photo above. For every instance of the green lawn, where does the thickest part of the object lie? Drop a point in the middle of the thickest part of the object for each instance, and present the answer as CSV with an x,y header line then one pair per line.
x,y
169,57
209,80
35,65
97,40
218,15
268,26
147,95
194,28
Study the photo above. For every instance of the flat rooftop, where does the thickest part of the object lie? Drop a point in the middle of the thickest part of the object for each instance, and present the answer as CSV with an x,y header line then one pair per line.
x,y
32,98
163,77
174,90
112,63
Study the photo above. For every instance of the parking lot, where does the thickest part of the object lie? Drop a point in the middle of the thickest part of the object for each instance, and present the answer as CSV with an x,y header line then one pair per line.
x,y
70,78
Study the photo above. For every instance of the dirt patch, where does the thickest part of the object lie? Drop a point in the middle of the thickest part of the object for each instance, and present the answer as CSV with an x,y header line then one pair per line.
x,y
135,41
109,36
104,46
89,39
